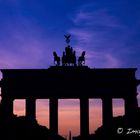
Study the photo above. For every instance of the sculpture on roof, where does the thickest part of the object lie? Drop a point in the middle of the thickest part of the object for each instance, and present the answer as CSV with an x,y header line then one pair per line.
x,y
56,59
67,38
69,55
81,59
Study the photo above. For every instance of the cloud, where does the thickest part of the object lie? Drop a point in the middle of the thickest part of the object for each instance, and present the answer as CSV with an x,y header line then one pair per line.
x,y
104,37
82,36
89,42
23,46
99,18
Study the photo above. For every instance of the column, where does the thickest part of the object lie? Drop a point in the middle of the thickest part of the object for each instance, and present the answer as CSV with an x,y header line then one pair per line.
x,y
107,110
6,108
31,108
131,106
84,117
54,115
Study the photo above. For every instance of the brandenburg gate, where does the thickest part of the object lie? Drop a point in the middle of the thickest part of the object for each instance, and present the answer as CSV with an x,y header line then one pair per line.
x,y
69,81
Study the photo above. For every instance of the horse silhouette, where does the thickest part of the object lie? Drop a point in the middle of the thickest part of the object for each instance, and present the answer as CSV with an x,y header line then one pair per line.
x,y
81,59
56,59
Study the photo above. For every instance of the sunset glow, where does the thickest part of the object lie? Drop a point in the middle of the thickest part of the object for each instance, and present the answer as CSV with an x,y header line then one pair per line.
x,y
69,114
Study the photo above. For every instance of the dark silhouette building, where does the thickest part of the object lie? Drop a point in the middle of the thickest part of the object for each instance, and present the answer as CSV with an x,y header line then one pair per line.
x,y
69,81
72,82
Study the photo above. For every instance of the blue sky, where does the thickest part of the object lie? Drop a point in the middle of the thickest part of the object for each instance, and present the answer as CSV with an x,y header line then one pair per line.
x,y
109,31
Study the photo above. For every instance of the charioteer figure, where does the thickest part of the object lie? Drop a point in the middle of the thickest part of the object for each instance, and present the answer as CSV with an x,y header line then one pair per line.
x,y
69,56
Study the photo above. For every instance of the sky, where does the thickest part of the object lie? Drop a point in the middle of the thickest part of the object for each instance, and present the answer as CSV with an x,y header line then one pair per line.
x,y
108,30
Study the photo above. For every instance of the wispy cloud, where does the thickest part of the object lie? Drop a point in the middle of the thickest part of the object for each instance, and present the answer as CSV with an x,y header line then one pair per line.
x,y
82,36
99,18
104,36
96,54
24,46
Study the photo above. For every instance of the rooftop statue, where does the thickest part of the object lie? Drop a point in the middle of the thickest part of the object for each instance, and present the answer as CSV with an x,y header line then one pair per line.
x,y
56,59
67,38
69,56
81,59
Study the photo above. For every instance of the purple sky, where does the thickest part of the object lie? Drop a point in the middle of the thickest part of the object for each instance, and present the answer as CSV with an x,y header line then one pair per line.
x,y
109,31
